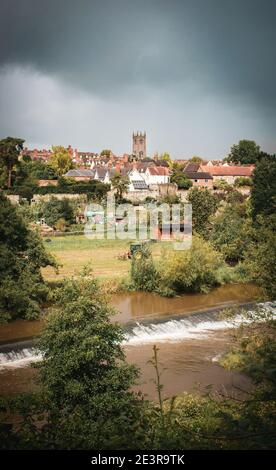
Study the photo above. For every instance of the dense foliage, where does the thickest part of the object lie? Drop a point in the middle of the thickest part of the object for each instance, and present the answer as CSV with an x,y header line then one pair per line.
x,y
204,205
85,400
179,178
230,232
263,195
194,270
56,209
144,274
10,149
245,152
22,288
260,258
60,160
120,185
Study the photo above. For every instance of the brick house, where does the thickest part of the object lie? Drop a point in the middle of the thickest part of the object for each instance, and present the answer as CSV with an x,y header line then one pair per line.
x,y
201,179
228,173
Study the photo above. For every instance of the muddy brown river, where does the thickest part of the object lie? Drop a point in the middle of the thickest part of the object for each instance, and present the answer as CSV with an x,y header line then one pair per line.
x,y
187,330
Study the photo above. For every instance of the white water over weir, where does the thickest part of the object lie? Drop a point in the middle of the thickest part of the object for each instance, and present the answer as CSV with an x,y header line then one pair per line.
x,y
195,326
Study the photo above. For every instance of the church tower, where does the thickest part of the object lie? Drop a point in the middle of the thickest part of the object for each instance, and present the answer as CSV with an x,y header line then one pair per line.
x,y
139,145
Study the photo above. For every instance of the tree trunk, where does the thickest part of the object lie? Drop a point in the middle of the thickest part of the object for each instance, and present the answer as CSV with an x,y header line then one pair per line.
x,y
9,177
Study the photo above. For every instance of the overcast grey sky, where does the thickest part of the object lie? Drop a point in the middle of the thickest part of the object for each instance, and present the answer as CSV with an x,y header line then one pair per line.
x,y
197,75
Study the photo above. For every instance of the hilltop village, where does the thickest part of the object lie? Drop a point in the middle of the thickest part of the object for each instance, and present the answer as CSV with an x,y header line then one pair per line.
x,y
146,176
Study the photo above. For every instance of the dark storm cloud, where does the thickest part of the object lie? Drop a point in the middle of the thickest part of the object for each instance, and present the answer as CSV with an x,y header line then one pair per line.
x,y
108,45
139,60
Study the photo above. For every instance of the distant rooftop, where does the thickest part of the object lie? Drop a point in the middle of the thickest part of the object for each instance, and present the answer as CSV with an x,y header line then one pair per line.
x,y
79,172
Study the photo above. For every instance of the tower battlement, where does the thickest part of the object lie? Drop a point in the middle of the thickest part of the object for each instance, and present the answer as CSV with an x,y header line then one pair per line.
x,y
139,144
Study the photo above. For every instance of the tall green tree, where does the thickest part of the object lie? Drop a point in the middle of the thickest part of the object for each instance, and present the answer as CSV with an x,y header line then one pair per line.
x,y
204,205
196,159
85,400
105,153
120,184
179,178
261,254
60,160
245,152
166,157
263,194
55,209
10,149
230,233
22,255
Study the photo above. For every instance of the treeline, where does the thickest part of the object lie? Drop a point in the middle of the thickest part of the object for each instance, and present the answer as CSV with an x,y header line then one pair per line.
x,y
19,174
93,189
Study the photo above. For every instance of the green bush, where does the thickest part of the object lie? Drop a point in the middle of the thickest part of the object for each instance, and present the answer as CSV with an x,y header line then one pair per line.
x,y
230,233
144,275
243,181
193,270
22,255
54,210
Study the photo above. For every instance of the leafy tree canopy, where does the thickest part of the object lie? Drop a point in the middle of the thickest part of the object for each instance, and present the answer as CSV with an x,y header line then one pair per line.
x,y
196,159
166,157
192,270
85,400
10,149
120,184
55,209
245,152
261,254
204,205
60,160
263,194
181,179
105,153
230,233
22,255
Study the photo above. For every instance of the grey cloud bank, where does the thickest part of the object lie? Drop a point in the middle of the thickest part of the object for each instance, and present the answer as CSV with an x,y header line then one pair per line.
x,y
197,75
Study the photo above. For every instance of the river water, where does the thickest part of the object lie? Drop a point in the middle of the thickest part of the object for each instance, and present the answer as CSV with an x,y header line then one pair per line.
x,y
187,330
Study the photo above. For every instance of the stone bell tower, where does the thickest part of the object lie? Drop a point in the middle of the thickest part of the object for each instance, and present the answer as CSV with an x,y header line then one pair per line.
x,y
139,145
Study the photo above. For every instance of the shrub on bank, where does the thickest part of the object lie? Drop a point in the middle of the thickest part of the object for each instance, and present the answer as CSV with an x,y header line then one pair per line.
x,y
195,270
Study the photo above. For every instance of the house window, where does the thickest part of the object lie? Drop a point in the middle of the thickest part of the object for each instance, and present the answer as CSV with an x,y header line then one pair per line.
x,y
206,181
195,181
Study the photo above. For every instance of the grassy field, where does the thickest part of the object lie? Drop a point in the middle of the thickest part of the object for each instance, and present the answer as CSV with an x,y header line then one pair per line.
x,y
74,252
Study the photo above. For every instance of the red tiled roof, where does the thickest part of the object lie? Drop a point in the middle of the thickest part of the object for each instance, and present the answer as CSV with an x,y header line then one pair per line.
x,y
158,171
228,170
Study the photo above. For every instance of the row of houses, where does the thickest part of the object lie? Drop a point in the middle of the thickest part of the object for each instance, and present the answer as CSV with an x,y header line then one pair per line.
x,y
207,174
140,176
144,175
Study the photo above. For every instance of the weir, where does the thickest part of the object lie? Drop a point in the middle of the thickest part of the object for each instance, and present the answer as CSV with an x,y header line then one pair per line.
x,y
173,329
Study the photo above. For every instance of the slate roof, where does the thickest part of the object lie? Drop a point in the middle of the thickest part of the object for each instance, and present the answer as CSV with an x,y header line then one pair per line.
x,y
101,172
191,167
79,172
199,175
